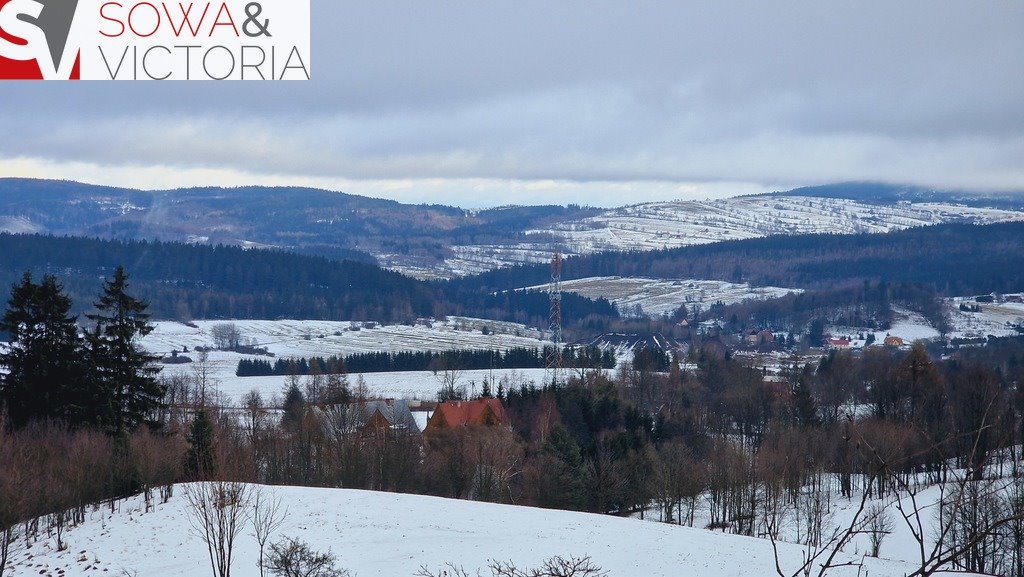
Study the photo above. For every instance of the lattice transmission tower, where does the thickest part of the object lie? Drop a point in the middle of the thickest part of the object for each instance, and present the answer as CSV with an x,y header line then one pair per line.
x,y
554,361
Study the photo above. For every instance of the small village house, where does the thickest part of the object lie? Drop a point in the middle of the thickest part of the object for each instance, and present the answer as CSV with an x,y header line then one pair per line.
x,y
891,341
487,412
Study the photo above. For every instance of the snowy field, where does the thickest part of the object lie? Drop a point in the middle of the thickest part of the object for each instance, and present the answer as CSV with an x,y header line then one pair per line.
x,y
18,225
293,338
683,223
422,385
996,319
657,297
390,535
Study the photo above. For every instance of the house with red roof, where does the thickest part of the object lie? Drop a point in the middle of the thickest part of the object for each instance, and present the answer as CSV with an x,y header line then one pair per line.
x,y
479,413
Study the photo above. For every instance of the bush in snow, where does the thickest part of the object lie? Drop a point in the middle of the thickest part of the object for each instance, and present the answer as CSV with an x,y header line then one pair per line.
x,y
293,558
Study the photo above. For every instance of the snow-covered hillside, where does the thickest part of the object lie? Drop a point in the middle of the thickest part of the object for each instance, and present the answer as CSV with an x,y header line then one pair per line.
x,y
657,297
390,535
998,319
18,225
286,338
995,319
684,223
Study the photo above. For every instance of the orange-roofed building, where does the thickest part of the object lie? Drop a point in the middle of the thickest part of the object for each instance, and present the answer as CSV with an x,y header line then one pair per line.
x,y
481,412
892,341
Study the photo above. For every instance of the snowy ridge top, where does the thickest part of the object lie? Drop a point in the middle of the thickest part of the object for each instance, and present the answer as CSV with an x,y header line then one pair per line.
x,y
674,224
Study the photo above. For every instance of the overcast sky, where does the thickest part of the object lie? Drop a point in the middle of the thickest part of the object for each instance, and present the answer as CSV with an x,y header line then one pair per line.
x,y
605,102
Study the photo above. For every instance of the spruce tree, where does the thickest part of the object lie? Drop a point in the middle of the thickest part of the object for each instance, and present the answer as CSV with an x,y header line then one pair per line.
x,y
804,408
562,472
199,459
294,406
44,363
123,370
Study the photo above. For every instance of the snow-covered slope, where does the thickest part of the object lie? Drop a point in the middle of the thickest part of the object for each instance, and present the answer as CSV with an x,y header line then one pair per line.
x,y
684,223
657,297
671,224
286,338
18,225
390,535
996,319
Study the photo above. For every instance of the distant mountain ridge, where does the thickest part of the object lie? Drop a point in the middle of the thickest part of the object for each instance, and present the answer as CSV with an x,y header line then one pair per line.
x,y
437,241
887,193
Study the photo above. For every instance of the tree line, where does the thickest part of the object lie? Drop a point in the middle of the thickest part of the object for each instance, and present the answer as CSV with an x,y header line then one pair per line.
x,y
79,409
182,282
455,359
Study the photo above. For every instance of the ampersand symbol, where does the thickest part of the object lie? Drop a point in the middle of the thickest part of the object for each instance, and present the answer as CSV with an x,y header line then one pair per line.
x,y
253,10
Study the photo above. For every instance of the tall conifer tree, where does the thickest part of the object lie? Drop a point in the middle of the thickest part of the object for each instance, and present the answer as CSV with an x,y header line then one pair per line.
x,y
122,369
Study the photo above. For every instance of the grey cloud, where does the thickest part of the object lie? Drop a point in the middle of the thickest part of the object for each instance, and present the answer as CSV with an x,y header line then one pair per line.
x,y
928,92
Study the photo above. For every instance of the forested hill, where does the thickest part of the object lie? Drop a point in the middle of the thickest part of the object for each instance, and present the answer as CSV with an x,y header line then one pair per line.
x,y
183,281
300,220
436,241
954,259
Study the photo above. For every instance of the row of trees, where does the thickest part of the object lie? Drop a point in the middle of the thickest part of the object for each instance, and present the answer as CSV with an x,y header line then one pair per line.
x,y
454,359
52,476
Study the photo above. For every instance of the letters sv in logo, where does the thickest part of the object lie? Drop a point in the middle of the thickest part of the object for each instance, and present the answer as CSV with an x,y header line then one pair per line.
x,y
46,35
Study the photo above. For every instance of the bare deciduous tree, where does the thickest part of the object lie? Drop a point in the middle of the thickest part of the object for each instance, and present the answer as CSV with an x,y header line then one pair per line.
x,y
554,567
12,488
879,527
822,557
267,517
448,371
202,374
217,512
226,336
